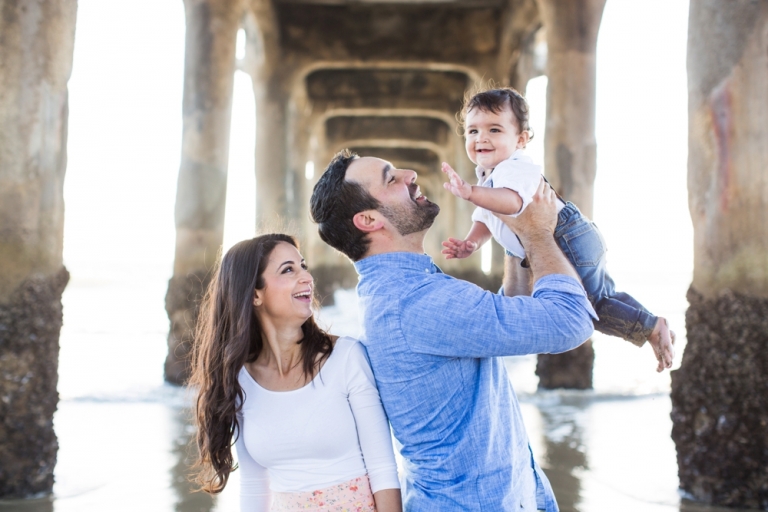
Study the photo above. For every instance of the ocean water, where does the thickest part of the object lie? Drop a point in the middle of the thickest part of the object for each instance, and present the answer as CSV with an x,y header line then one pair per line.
x,y
124,435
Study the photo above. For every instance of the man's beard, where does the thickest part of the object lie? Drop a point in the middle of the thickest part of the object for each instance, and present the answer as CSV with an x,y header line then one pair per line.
x,y
411,218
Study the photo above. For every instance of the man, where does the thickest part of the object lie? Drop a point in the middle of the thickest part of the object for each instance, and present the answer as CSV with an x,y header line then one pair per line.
x,y
434,341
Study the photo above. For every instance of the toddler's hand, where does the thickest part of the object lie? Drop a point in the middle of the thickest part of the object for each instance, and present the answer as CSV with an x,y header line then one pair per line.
x,y
456,185
662,340
455,248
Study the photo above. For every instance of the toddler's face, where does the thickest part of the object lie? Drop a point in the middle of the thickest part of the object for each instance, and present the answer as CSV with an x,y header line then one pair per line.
x,y
492,138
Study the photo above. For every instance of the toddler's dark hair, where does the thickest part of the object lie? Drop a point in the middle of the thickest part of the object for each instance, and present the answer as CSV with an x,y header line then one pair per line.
x,y
494,100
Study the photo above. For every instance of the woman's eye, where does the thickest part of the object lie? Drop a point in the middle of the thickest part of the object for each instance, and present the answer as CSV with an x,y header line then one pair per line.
x,y
286,270
304,266
392,179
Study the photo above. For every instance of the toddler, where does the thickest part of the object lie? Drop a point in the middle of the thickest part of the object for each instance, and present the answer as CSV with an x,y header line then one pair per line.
x,y
496,130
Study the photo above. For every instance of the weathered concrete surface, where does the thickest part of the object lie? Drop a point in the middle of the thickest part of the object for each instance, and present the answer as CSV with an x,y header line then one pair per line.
x,y
720,401
344,128
728,146
719,393
439,90
569,370
30,321
393,32
570,149
182,303
200,198
36,47
275,182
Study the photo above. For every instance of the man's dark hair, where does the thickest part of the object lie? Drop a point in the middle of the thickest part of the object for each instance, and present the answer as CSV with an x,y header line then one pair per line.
x,y
494,100
335,201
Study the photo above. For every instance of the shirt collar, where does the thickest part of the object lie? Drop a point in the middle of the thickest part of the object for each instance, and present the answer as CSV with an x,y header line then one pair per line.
x,y
483,174
402,260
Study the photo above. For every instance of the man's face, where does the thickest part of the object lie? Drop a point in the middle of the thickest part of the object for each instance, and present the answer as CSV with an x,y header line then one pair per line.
x,y
401,200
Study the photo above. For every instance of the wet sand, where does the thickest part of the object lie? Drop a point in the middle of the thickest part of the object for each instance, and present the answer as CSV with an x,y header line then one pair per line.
x,y
601,454
124,435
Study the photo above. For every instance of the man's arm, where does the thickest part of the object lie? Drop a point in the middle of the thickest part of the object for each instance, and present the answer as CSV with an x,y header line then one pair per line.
x,y
518,279
453,318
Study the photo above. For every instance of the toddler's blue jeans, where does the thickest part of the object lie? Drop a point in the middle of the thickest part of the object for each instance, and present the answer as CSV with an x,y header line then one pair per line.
x,y
620,314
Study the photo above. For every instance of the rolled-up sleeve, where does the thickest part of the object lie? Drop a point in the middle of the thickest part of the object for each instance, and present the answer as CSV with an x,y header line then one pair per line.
x,y
454,318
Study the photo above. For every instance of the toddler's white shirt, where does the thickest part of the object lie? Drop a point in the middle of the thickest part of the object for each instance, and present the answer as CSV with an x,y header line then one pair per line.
x,y
518,173
328,432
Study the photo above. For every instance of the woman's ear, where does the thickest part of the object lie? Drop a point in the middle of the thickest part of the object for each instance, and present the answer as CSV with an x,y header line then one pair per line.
x,y
368,221
257,298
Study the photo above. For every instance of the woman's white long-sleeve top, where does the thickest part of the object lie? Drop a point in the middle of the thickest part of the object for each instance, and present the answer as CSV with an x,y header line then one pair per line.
x,y
328,432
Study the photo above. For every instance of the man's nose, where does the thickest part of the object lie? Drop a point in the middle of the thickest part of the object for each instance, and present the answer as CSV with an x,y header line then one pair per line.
x,y
409,176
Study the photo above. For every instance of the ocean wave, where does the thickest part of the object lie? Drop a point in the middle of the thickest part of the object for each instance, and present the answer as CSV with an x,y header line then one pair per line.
x,y
166,394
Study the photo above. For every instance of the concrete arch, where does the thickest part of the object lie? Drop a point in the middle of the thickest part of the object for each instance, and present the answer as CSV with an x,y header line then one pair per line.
x,y
472,73
386,87
406,31
428,129
440,115
421,149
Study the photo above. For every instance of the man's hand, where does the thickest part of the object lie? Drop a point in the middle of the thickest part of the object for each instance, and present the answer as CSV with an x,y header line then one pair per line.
x,y
456,185
536,228
538,219
455,248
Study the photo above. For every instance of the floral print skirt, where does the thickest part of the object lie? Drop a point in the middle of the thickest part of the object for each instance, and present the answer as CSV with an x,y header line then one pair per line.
x,y
352,496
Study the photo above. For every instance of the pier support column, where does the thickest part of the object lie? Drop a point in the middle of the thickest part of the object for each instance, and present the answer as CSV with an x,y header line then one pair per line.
x,y
36,47
720,392
275,185
569,143
200,197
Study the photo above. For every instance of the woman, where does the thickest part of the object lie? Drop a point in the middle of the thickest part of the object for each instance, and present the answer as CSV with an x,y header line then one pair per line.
x,y
300,405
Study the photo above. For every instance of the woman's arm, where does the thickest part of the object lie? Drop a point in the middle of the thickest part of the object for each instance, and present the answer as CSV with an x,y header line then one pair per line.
x,y
373,432
388,500
255,495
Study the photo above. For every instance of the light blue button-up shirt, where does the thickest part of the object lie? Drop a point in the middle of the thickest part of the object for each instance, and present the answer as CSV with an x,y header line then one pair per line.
x,y
434,344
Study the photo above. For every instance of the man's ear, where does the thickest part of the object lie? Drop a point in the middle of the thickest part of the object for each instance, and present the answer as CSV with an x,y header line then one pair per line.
x,y
368,221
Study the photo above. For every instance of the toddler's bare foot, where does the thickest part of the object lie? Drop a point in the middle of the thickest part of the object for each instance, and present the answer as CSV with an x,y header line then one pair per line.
x,y
663,342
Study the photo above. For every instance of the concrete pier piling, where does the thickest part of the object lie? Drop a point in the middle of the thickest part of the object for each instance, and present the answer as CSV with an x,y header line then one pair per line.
x,y
201,194
36,48
720,392
569,143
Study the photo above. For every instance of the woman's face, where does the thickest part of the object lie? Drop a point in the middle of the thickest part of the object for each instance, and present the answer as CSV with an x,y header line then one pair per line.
x,y
287,293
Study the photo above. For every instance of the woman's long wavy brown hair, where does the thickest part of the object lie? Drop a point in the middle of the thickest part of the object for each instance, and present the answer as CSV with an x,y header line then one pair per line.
x,y
228,335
